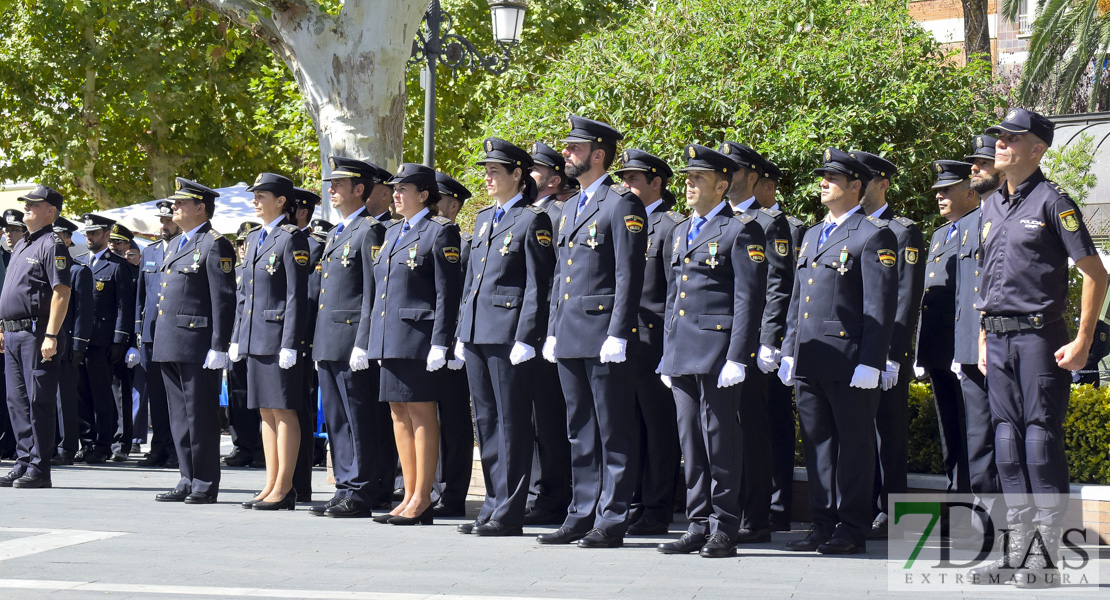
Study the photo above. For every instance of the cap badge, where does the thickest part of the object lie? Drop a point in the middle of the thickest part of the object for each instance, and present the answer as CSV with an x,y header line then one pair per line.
x,y
534,149
489,146
258,180
177,184
331,162
1011,115
940,168
693,152
978,141
828,155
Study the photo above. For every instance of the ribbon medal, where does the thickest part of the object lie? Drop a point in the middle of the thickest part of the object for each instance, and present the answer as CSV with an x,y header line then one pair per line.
x,y
411,262
843,261
270,268
712,262
505,244
648,250
592,242
346,253
196,261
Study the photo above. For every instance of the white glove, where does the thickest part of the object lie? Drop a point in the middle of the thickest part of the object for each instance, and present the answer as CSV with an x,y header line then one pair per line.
x,y
549,349
131,358
731,374
437,357
233,353
287,358
215,360
767,359
666,380
918,372
613,350
358,360
459,351
890,375
958,369
786,370
521,352
865,377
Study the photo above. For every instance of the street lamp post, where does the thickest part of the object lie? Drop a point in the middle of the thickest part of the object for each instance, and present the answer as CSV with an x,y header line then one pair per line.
x,y
437,43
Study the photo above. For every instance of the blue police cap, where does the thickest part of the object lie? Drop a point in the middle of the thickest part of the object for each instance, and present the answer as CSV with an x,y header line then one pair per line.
x,y
1019,121
984,147
42,193
743,156
771,170
244,228
278,185
343,168
501,152
95,222
319,228
14,218
191,190
635,159
120,233
64,225
838,161
451,188
163,208
589,130
879,166
414,173
700,158
951,172
545,155
305,198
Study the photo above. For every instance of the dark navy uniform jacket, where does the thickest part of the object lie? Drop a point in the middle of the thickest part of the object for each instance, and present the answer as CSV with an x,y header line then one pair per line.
x,y
936,329
315,278
797,231
113,299
507,282
38,262
79,316
150,287
969,278
1027,239
713,312
553,208
844,301
599,272
780,272
911,274
347,282
415,306
274,298
657,267
196,306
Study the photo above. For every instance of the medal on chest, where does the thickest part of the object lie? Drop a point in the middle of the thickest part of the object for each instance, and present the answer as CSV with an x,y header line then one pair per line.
x,y
592,242
411,262
843,268
346,252
270,265
193,268
505,244
712,262
648,249
482,232
964,240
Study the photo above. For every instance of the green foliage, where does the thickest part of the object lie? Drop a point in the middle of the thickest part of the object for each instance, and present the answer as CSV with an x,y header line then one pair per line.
x,y
788,78
1070,167
1086,435
924,438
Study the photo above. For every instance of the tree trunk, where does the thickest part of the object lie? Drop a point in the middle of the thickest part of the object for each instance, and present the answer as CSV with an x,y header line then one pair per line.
x,y
84,175
977,35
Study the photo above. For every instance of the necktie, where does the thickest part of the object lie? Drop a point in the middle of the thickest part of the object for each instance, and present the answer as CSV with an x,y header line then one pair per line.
x,y
497,215
951,231
825,231
339,229
183,240
262,237
404,229
695,229
581,204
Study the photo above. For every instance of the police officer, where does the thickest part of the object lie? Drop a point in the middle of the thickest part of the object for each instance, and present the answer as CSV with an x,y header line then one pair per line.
x,y
33,305
124,378
244,424
348,379
715,299
191,337
892,420
841,318
648,177
13,226
379,201
1030,228
936,328
77,326
599,275
148,290
113,325
306,202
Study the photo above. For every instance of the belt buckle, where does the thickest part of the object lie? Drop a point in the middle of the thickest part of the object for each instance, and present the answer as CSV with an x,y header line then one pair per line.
x,y
1037,321
998,325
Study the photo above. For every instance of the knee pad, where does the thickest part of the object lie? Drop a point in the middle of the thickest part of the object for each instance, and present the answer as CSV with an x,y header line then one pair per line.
x,y
1007,446
1042,446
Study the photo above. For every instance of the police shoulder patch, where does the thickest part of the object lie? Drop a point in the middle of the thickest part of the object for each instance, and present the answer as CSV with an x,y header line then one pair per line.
x,y
782,247
911,255
744,218
226,265
543,236
301,257
756,254
887,258
1069,220
451,253
441,220
634,223
60,263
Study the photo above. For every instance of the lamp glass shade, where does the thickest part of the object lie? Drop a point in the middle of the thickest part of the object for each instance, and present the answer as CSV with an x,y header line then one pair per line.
x,y
508,20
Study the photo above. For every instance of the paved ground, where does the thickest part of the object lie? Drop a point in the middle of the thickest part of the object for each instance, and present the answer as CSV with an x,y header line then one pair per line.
x,y
99,534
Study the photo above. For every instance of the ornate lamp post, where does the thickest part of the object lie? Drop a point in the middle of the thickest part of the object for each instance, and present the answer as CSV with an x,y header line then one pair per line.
x,y
437,43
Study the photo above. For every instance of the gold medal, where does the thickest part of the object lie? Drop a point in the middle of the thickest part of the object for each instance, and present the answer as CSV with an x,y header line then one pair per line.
x,y
346,253
592,242
505,244
411,262
712,262
270,268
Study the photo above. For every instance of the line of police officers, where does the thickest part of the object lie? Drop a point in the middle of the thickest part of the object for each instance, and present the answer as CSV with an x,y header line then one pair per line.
x,y
611,286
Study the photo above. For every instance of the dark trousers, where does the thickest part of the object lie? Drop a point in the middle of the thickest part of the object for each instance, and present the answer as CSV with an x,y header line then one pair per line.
x,y
710,436
838,424
892,429
244,424
503,422
603,448
982,471
161,438
121,395
99,419
551,464
32,393
140,405
784,436
306,418
456,440
755,427
950,420
1029,399
68,401
659,452
7,436
355,420
193,398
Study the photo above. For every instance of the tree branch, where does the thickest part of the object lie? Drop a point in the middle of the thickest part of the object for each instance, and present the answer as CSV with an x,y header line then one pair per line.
x,y
245,13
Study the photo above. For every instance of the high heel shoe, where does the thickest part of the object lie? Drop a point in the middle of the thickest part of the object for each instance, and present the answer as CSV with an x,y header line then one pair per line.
x,y
424,518
251,503
289,502
382,518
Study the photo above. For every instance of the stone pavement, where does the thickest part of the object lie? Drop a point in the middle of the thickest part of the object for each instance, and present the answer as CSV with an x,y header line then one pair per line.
x,y
99,534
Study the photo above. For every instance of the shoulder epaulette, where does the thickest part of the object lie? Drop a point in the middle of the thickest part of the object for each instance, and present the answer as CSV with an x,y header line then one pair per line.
x,y
490,207
774,212
877,222
395,221
677,217
215,234
290,228
795,221
905,221
535,209
57,238
744,217
371,220
466,236
560,203
620,189
441,220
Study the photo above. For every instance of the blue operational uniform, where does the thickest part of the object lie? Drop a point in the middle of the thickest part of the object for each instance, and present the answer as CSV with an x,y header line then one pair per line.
x,y
77,326
196,308
39,264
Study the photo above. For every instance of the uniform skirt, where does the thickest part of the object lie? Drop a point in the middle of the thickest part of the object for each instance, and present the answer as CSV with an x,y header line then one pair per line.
x,y
408,380
270,386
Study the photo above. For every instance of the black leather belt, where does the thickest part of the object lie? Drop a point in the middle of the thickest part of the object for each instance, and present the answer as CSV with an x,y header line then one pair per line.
x,y
17,325
1007,324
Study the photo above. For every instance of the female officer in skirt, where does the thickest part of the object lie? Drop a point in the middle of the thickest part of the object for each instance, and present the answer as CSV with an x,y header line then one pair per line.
x,y
418,283
270,333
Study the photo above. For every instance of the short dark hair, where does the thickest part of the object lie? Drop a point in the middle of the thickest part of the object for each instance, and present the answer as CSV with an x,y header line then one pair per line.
x,y
610,152
367,186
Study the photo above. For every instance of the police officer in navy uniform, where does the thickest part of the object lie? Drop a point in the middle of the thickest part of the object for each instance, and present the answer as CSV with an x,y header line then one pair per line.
x,y
348,379
307,201
77,326
648,177
1030,228
191,336
502,323
936,327
715,301
599,274
124,378
244,424
147,291
379,202
113,325
892,420
838,332
33,305
754,419
550,492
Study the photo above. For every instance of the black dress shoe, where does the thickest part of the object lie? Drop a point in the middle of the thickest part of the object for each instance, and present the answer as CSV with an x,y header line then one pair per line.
x,y
646,526
498,529
237,459
94,457
289,502
119,457
539,516
878,531
812,540
151,460
349,508
32,481
61,459
172,496
562,535
718,546
319,509
382,518
781,525
171,462
598,538
753,536
258,462
398,494
689,542
468,528
7,480
841,546
447,511
80,456
425,518
200,498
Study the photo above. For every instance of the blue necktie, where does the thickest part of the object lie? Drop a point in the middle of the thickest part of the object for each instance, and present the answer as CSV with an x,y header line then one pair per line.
x,y
404,229
338,229
582,200
262,237
825,231
497,215
951,231
183,240
695,229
